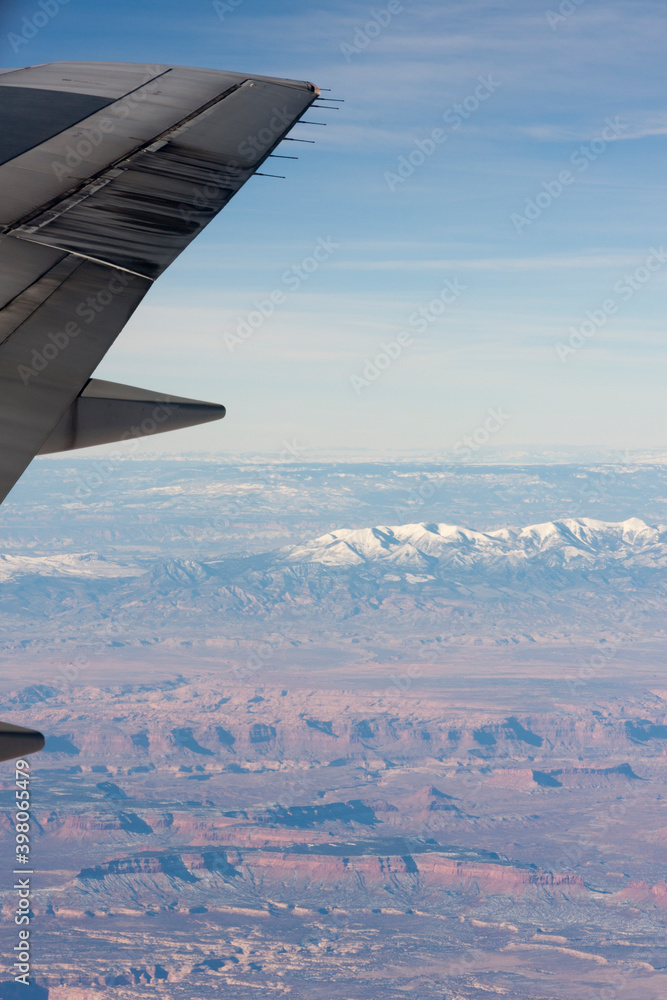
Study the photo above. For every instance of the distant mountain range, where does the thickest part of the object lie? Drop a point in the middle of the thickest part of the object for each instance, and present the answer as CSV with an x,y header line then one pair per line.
x,y
416,552
574,545
86,565
548,580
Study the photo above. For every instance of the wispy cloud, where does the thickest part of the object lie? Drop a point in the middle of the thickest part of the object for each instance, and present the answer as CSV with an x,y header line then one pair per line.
x,y
639,125
491,263
450,218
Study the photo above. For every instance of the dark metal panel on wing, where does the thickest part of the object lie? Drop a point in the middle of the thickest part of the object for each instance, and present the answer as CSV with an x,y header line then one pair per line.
x,y
46,362
104,79
143,218
34,180
58,167
114,79
36,295
142,214
21,264
29,117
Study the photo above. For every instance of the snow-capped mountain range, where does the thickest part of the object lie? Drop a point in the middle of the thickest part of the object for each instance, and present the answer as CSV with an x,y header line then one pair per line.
x,y
77,565
553,579
418,551
575,544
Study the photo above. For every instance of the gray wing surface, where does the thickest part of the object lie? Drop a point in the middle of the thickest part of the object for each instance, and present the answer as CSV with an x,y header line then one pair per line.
x,y
107,172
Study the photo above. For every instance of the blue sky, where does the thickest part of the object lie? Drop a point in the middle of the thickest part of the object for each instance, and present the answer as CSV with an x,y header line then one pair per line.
x,y
556,321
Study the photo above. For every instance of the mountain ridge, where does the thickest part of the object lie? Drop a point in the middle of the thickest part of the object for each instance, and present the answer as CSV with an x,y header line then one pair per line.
x,y
566,542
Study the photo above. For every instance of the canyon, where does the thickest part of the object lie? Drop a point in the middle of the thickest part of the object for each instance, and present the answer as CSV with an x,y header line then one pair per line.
x,y
288,757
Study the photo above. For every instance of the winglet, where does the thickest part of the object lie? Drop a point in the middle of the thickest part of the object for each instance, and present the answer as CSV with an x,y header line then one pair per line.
x,y
107,411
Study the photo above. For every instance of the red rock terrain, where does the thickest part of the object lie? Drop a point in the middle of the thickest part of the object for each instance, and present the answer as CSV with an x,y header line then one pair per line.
x,y
250,838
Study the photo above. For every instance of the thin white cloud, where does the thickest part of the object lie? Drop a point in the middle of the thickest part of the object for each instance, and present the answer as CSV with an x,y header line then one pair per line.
x,y
639,125
647,125
490,263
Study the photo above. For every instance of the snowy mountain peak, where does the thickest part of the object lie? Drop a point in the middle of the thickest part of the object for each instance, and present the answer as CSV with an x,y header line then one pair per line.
x,y
422,546
81,565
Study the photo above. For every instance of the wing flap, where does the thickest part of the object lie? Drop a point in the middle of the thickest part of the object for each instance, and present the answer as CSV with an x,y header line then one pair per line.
x,y
55,169
142,213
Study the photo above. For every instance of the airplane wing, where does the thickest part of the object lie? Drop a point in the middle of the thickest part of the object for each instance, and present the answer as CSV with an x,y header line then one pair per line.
x,y
107,172
17,741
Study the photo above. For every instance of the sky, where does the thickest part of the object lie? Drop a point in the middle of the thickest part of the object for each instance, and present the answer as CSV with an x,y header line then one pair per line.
x,y
490,196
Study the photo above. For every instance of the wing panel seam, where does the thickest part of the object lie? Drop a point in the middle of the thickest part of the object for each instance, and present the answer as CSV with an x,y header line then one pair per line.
x,y
118,163
75,253
70,270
